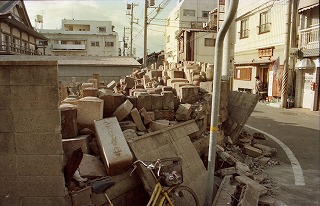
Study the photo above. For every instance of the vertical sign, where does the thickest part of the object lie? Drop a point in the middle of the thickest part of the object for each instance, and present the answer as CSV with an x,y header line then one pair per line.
x,y
270,83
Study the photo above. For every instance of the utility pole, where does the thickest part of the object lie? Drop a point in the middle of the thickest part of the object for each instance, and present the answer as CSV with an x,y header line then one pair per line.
x,y
284,89
124,41
130,7
145,33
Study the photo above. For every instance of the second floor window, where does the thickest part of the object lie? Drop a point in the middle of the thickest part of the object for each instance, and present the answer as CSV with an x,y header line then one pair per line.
x,y
244,29
102,29
94,43
209,42
109,44
205,14
264,22
188,12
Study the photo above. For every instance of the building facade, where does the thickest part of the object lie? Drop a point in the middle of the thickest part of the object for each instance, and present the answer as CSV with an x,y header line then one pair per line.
x,y
259,48
188,14
307,66
82,38
16,33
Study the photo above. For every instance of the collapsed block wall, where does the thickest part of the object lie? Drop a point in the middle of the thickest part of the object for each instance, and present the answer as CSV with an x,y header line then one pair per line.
x,y
31,157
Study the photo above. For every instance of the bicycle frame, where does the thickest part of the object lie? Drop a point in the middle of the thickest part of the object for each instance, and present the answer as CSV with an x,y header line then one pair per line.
x,y
158,189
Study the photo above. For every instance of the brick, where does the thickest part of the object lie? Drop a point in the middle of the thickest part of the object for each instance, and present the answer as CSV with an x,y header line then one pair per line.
x,y
41,186
137,119
69,145
158,125
113,147
252,151
164,114
123,110
156,101
144,114
7,142
144,101
168,100
9,163
69,128
91,167
38,143
183,112
5,100
89,109
6,121
188,94
39,165
35,120
128,125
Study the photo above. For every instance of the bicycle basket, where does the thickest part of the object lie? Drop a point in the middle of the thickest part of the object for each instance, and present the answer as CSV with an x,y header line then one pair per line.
x,y
171,171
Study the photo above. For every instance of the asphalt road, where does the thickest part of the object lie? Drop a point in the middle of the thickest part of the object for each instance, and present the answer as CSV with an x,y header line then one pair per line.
x,y
299,131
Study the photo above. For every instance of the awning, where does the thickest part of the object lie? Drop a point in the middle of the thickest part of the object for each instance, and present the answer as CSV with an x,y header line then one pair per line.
x,y
305,63
303,5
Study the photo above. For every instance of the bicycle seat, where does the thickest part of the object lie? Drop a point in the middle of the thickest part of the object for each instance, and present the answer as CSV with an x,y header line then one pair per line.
x,y
101,186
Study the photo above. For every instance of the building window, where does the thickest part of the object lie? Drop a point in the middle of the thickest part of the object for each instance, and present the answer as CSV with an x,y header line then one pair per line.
x,y
77,42
94,43
109,44
210,42
264,22
168,39
205,14
70,28
243,74
188,12
63,42
244,31
102,29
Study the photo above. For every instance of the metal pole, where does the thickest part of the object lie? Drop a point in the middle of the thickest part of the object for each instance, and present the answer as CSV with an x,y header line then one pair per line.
x,y
131,31
216,98
284,89
145,33
124,41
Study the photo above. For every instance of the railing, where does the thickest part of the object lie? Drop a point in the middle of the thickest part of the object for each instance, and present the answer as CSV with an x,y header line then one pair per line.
x,y
12,48
309,38
68,47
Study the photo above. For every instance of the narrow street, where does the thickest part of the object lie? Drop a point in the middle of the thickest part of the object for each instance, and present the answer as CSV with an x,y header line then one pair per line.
x,y
295,135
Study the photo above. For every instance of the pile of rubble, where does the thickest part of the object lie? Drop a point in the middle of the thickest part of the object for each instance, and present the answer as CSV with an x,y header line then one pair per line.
x,y
106,126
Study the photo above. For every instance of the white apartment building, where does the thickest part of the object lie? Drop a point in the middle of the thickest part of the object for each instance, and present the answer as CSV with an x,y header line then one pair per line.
x,y
181,23
82,38
260,41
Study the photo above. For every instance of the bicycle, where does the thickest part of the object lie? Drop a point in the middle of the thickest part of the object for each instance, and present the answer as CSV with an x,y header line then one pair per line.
x,y
168,173
101,186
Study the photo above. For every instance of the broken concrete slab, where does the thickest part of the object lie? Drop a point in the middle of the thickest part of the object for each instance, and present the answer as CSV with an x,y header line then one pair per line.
x,y
256,186
266,150
183,112
113,147
168,100
188,94
91,167
128,125
158,125
252,151
223,196
228,171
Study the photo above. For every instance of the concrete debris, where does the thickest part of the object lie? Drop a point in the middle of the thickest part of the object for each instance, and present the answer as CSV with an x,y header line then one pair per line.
x,y
170,114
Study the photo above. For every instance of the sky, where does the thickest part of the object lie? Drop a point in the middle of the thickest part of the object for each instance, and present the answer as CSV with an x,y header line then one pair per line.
x,y
105,10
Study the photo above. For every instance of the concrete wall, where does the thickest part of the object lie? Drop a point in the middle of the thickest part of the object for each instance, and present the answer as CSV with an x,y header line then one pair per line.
x,y
83,73
31,157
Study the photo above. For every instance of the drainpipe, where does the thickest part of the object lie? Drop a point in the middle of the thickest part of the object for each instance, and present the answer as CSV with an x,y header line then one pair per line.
x,y
216,98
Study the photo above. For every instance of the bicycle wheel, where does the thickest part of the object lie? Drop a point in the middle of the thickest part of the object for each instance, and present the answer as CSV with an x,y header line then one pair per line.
x,y
182,196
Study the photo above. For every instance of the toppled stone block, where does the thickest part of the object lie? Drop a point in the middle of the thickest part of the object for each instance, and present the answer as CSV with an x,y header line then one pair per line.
x,y
183,112
130,82
158,124
151,115
127,125
69,145
167,88
206,87
146,118
91,167
188,94
173,74
170,81
130,134
137,119
69,128
113,147
266,151
144,101
112,84
164,114
89,109
252,151
123,110
87,85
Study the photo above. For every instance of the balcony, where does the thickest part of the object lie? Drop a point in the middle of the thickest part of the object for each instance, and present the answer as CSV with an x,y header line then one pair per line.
x,y
12,48
309,38
73,47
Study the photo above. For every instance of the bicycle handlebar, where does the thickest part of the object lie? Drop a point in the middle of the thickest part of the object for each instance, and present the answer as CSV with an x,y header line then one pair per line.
x,y
150,166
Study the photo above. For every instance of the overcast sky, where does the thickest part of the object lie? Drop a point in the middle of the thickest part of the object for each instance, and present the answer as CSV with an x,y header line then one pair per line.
x,y
104,10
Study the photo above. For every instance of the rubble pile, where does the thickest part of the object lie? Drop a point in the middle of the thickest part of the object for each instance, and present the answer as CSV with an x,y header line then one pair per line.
x,y
100,123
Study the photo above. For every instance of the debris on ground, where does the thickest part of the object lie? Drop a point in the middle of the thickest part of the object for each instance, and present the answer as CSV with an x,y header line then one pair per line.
x,y
162,113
